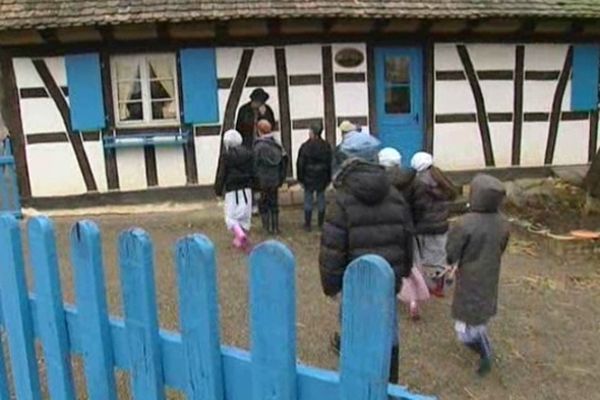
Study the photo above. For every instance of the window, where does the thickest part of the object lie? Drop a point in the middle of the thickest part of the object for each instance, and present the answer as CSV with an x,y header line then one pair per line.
x,y
145,90
397,85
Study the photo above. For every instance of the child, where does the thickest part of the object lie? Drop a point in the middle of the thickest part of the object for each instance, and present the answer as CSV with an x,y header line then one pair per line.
x,y
476,244
414,289
270,169
314,173
433,192
235,180
368,216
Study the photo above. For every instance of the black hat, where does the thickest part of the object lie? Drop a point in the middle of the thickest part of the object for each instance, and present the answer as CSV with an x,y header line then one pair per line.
x,y
259,94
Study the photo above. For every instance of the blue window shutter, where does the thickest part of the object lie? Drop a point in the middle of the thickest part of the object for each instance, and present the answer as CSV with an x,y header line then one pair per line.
x,y
584,84
84,80
199,85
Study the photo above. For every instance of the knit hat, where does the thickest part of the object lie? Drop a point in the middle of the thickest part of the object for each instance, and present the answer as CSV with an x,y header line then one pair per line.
x,y
232,138
421,161
389,157
347,126
361,145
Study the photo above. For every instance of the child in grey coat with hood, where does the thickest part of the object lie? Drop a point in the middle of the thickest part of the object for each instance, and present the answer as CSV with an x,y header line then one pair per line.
x,y
476,244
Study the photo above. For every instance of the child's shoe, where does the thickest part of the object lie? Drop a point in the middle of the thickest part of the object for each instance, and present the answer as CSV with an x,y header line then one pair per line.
x,y
413,311
485,366
240,240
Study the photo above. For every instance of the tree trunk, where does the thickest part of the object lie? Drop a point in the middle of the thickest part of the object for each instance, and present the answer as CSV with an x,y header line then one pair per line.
x,y
592,180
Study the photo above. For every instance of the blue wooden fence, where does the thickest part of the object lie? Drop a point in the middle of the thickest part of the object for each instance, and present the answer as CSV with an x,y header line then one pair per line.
x,y
9,191
192,361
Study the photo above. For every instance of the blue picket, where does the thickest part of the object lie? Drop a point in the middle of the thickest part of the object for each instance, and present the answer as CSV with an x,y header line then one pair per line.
x,y
5,195
4,390
136,259
273,322
368,307
199,316
49,311
16,311
86,257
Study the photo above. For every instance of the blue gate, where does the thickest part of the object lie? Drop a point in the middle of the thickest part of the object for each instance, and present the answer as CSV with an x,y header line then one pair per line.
x,y
9,190
192,361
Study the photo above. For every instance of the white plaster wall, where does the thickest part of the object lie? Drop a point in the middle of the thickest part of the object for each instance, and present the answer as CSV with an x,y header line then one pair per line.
x,y
170,166
53,170
545,57
351,99
207,158
456,97
304,59
453,97
40,115
228,60
492,56
498,95
95,154
132,171
501,135
25,73
58,70
533,143
572,143
306,102
458,146
538,96
446,57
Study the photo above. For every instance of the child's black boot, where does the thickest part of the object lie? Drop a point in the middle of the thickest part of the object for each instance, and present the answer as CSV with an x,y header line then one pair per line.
x,y
307,221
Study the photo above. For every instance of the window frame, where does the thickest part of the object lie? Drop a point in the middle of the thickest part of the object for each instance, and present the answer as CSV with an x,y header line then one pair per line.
x,y
146,98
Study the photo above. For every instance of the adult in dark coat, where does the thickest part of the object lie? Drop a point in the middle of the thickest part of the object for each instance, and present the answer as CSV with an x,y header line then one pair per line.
x,y
314,173
369,216
252,112
476,244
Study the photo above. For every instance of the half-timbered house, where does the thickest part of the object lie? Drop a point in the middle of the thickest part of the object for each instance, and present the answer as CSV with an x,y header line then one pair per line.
x,y
107,98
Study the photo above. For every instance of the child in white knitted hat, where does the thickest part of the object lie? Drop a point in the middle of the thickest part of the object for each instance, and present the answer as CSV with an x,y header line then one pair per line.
x,y
414,289
234,180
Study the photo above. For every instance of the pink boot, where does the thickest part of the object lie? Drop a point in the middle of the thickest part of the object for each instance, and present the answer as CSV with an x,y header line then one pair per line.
x,y
240,240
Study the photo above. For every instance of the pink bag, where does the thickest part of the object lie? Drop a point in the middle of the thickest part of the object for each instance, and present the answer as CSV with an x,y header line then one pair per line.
x,y
414,287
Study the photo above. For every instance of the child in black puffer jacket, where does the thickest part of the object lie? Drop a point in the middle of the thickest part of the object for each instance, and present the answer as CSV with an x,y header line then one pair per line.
x,y
234,179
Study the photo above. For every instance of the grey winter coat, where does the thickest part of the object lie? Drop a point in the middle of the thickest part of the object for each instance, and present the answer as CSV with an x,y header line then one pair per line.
x,y
477,243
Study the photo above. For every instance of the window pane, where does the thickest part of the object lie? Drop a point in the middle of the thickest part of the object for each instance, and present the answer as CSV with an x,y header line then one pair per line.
x,y
397,100
397,69
164,110
132,111
163,89
129,91
160,67
127,69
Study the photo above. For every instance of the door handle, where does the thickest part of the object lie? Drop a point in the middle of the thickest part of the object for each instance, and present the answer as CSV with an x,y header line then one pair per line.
x,y
417,118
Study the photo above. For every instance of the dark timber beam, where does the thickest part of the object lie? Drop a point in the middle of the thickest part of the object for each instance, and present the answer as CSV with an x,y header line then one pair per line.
x,y
49,36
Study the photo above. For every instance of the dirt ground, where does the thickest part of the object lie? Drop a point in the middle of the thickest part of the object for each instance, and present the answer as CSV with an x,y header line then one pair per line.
x,y
545,336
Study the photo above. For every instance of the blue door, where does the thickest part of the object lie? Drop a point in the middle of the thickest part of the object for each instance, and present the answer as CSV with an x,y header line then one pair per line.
x,y
399,91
